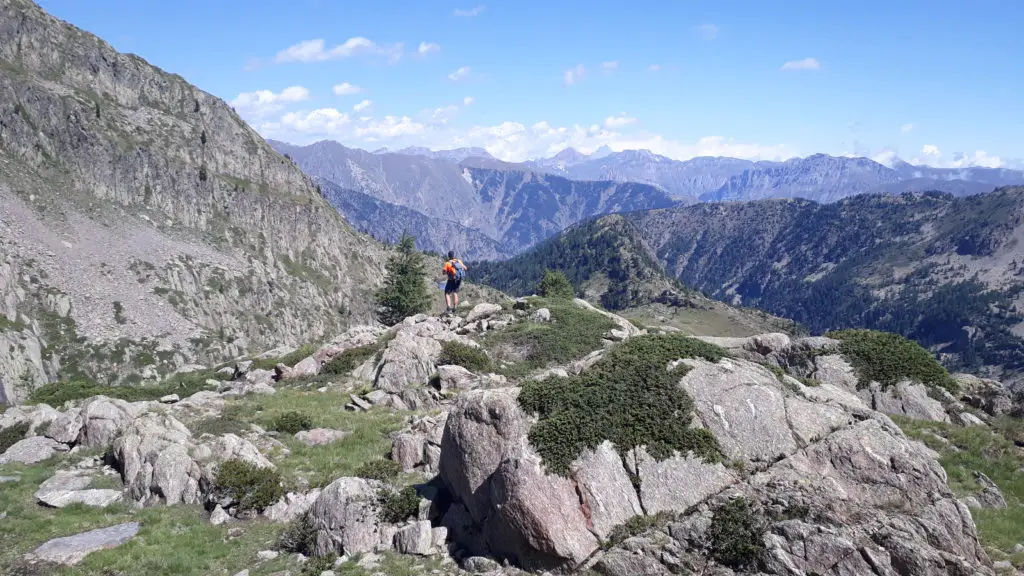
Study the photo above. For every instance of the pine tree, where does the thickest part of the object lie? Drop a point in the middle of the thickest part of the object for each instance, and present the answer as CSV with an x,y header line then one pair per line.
x,y
555,285
405,289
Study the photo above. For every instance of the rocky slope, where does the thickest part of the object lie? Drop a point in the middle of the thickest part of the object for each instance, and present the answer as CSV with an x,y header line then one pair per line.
x,y
941,270
144,224
508,203
763,455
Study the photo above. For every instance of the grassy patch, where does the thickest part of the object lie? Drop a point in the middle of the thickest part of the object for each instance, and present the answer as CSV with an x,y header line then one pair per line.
x,y
978,448
383,470
887,358
573,332
736,535
349,360
12,434
57,393
459,354
320,465
8,324
628,397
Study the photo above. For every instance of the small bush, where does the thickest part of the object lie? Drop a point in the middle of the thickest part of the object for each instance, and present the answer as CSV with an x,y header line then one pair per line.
x,y
298,536
555,284
251,487
292,422
628,397
470,358
383,470
736,535
349,360
57,393
319,564
397,506
635,526
12,435
887,358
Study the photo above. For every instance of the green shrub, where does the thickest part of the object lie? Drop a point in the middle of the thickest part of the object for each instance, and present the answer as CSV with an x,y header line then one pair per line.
x,y
469,357
292,422
555,284
887,358
628,397
383,470
298,536
635,526
218,425
736,535
184,385
317,565
573,332
12,434
251,487
397,506
349,360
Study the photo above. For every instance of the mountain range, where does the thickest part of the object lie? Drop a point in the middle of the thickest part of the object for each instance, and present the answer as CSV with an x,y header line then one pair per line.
x,y
945,271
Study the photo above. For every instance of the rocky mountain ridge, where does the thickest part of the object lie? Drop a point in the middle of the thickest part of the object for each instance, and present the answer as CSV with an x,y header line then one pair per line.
x,y
145,226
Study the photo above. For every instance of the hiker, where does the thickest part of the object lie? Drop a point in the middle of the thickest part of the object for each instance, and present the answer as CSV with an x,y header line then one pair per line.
x,y
454,271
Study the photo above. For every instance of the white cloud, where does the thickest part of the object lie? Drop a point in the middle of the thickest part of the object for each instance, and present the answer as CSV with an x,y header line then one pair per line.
x,y
707,31
619,121
610,66
461,74
934,157
346,89
468,101
805,64
428,47
931,150
906,127
260,103
469,13
362,105
388,127
654,67
321,121
316,51
573,75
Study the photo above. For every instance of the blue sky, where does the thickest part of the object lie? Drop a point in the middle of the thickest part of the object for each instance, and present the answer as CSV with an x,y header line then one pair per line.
x,y
939,81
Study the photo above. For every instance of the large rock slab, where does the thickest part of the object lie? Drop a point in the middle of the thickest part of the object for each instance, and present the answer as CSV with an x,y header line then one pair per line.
x,y
32,450
71,550
38,417
345,518
68,487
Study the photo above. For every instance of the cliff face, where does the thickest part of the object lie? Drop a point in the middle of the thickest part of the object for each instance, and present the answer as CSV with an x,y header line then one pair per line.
x,y
144,225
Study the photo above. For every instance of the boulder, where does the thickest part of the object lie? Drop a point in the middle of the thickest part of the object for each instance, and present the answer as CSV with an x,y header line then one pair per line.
x,y
32,450
454,377
345,518
415,538
407,450
97,422
291,506
71,550
987,395
625,329
482,311
905,399
219,516
38,417
320,436
68,487
541,315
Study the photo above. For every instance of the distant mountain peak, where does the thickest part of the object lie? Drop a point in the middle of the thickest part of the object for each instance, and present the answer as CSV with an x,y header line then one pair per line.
x,y
570,156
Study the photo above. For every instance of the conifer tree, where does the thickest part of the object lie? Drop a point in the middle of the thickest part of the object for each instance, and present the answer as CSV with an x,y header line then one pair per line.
x,y
405,289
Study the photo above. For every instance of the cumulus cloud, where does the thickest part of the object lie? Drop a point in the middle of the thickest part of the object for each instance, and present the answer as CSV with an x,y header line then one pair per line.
x,y
362,105
264,102
707,31
906,127
461,74
468,100
619,121
469,13
428,47
573,75
321,121
805,64
346,89
316,50
931,150
932,156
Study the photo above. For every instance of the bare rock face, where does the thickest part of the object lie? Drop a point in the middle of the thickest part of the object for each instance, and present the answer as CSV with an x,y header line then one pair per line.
x,y
32,450
71,550
38,417
824,471
96,422
409,360
345,517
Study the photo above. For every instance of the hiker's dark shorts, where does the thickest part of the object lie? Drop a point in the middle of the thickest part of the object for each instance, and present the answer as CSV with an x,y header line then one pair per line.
x,y
452,286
